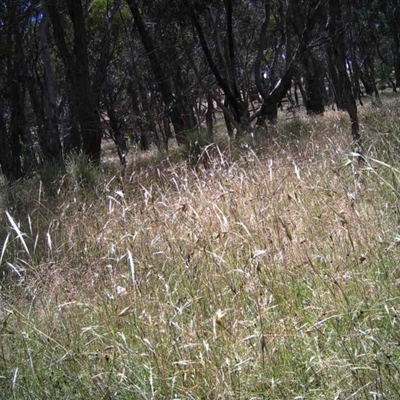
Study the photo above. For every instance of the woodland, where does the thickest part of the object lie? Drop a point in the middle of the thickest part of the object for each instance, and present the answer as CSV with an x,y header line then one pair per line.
x,y
75,72
200,199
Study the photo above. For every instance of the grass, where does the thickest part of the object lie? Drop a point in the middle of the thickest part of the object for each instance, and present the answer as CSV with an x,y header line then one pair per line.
x,y
272,274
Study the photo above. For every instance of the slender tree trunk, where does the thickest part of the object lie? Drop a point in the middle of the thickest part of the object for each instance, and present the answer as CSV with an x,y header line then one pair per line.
x,y
260,52
139,110
271,100
227,118
269,108
210,113
17,132
184,103
78,76
370,72
6,158
315,85
72,139
52,145
231,54
102,63
16,155
147,118
393,16
88,114
355,75
232,96
118,135
337,57
36,99
165,89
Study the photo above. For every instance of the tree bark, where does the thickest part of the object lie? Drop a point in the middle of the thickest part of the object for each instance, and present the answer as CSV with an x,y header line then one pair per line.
x,y
6,158
337,57
77,71
16,154
210,113
393,18
315,85
232,94
51,146
169,100
72,140
271,99
89,117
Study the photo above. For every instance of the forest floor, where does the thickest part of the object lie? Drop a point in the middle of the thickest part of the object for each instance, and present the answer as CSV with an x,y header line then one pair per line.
x,y
272,272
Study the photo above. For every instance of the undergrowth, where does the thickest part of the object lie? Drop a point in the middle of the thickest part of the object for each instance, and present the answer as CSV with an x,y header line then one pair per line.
x,y
272,273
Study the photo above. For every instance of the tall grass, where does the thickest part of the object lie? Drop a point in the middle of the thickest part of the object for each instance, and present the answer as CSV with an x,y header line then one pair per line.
x,y
273,274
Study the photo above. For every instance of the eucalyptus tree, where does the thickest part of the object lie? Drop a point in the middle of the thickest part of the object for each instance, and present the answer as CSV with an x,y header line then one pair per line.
x,y
15,141
361,24
50,135
338,69
73,69
391,10
176,103
288,37
313,59
85,72
222,58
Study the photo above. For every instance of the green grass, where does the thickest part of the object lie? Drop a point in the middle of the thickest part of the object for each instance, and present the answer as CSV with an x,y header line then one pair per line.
x,y
271,274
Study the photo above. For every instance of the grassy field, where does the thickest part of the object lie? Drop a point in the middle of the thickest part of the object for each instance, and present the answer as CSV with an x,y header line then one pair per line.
x,y
272,274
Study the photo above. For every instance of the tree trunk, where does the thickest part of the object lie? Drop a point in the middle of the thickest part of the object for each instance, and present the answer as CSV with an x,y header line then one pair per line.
x,y
303,25
355,75
165,89
210,113
6,158
102,63
184,105
260,53
232,95
367,76
337,57
72,140
315,85
227,118
17,130
51,146
118,136
269,108
16,154
393,18
76,65
89,117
